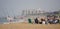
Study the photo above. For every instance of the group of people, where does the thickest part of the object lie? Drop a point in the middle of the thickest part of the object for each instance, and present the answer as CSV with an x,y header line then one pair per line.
x,y
43,21
50,20
40,22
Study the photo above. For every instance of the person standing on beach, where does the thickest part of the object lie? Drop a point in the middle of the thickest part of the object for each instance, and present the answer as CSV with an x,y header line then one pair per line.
x,y
36,21
29,20
10,19
43,21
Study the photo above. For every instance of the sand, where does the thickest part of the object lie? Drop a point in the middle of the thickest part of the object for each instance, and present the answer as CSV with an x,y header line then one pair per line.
x,y
29,26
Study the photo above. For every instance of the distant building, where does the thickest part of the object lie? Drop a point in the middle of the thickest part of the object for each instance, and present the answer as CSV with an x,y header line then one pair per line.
x,y
32,12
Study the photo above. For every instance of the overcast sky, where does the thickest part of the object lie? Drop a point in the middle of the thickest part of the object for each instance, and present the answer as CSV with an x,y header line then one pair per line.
x,y
14,7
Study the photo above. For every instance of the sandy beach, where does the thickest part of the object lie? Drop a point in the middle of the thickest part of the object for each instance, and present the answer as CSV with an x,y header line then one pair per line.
x,y
29,26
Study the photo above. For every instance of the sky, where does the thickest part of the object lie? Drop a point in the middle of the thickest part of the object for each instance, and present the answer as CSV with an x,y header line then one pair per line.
x,y
14,7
